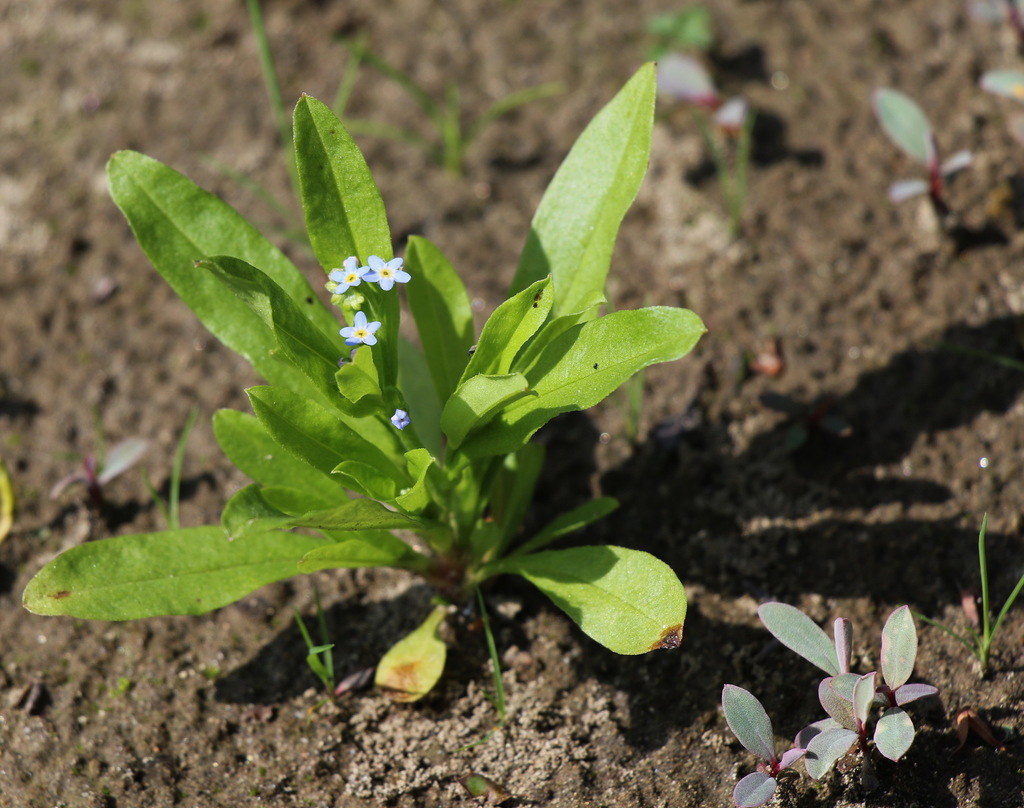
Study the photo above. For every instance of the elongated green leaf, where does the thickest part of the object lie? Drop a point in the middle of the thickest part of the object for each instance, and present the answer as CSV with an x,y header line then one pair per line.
x,y
312,351
477,401
412,667
418,390
749,722
345,215
627,600
584,365
369,549
905,124
799,633
357,514
344,212
574,230
311,433
441,309
188,571
249,445
368,480
511,495
508,329
248,513
568,522
297,501
178,223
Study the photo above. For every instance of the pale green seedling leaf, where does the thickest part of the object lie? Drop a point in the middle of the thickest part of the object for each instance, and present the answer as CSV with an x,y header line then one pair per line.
x,y
509,328
121,457
905,124
863,695
573,232
836,696
441,308
1007,83
899,647
187,571
826,748
627,600
753,790
583,366
569,522
894,733
477,401
799,633
364,549
249,445
177,223
411,668
311,350
749,722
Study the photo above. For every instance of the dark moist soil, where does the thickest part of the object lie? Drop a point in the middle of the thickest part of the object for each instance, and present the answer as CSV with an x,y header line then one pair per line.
x,y
861,296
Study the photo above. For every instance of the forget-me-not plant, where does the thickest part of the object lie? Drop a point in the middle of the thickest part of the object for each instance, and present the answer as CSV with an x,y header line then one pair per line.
x,y
414,455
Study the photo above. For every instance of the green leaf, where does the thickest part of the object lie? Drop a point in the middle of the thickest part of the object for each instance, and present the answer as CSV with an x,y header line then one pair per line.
x,y
799,633
248,513
627,600
188,571
568,522
177,223
508,329
427,485
248,445
356,514
477,401
421,397
584,365
573,232
442,311
905,124
511,495
899,647
345,215
343,209
312,351
894,733
313,434
749,722
1007,83
411,668
369,549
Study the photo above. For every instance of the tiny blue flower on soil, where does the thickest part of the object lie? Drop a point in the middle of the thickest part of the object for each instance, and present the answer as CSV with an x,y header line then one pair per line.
x,y
348,276
360,332
400,419
386,274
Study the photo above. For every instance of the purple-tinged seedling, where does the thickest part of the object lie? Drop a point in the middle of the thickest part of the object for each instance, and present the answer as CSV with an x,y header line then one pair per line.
x,y
95,473
907,127
684,78
750,724
847,697
807,418
1008,12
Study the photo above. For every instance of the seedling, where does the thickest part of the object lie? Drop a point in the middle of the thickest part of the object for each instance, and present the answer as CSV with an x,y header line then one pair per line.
x,y
171,509
750,724
359,433
980,645
807,419
1002,12
684,30
319,657
95,473
727,127
906,125
452,136
1009,84
848,698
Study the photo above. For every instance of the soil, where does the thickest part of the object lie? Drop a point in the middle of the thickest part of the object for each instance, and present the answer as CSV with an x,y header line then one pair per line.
x,y
864,299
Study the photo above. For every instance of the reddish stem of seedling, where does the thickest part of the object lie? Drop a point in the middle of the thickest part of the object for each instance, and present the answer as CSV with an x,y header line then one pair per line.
x,y
92,482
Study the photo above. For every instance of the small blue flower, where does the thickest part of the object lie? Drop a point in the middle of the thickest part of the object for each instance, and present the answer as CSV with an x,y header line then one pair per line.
x,y
360,332
386,274
348,276
401,419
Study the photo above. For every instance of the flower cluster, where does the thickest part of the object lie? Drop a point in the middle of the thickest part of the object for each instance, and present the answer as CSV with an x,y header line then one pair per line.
x,y
363,332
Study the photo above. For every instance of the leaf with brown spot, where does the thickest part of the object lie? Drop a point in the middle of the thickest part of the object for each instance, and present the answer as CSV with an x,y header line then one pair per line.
x,y
672,638
412,667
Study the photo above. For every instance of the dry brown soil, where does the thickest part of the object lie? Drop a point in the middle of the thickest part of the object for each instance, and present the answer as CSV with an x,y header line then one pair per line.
x,y
216,711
